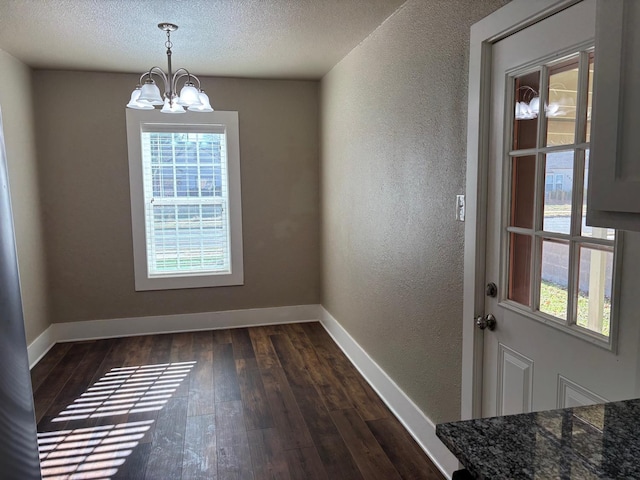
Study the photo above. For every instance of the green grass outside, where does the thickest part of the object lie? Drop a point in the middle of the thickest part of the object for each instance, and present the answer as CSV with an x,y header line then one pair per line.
x,y
553,301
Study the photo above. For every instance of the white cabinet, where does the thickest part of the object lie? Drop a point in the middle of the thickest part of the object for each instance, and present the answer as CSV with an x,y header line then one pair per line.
x,y
614,177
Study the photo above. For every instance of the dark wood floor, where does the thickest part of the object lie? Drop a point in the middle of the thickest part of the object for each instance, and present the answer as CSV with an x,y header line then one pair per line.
x,y
277,402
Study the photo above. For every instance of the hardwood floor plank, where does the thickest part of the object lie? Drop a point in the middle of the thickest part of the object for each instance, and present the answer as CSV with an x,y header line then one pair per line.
x,y
273,329
265,354
316,333
58,378
244,364
232,444
135,464
362,396
225,378
305,464
149,416
80,381
203,341
43,368
313,408
182,351
242,346
136,350
161,350
405,454
257,414
291,361
139,350
223,361
182,347
267,455
165,458
331,447
364,448
320,370
116,357
336,458
284,408
201,386
227,389
199,461
221,336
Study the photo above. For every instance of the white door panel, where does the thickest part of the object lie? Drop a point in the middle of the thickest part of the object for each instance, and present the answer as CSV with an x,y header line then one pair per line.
x,y
515,382
570,394
530,365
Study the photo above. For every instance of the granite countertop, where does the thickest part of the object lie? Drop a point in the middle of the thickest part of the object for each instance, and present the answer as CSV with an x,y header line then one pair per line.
x,y
594,442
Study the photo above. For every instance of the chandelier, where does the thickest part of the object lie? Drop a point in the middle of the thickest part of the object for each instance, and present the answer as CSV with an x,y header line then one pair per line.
x,y
147,95
527,110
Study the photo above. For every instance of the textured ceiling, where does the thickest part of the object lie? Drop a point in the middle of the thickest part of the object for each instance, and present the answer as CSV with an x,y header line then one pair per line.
x,y
247,38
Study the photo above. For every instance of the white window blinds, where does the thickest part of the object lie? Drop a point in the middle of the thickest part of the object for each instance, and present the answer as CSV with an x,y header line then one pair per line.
x,y
186,200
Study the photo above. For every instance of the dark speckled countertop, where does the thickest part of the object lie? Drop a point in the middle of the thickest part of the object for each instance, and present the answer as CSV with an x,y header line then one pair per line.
x,y
595,442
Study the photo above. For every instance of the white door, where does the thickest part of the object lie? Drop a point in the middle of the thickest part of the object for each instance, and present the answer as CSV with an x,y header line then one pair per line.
x,y
566,308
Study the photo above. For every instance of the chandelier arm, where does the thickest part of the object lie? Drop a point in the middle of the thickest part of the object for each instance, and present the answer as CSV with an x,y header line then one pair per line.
x,y
197,80
180,73
156,71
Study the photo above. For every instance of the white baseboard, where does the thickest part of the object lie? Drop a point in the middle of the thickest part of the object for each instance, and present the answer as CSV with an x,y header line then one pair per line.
x,y
421,428
127,327
41,345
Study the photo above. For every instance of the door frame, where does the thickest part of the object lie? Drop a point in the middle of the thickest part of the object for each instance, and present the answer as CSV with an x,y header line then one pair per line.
x,y
513,17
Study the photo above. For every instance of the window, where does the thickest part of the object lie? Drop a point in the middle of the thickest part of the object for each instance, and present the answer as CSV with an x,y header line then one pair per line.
x,y
185,199
559,270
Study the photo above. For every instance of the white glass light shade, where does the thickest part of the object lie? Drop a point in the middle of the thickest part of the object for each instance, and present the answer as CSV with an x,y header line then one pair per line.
x,y
205,105
553,110
150,93
172,108
534,105
189,95
524,111
135,103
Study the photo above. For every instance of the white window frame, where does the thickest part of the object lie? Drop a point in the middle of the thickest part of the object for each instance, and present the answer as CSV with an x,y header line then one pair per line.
x,y
136,121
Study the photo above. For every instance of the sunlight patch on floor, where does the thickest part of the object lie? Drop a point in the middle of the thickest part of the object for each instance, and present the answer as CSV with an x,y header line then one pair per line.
x,y
96,453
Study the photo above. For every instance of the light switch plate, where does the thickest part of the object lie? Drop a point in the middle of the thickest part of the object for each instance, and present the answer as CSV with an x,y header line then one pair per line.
x,y
460,208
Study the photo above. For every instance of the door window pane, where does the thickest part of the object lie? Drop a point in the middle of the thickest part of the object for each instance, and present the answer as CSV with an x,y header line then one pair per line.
x,y
558,188
526,108
520,268
561,104
554,278
595,284
522,191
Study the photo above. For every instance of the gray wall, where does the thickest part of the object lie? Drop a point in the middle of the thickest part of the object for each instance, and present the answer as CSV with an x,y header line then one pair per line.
x,y
17,109
393,159
87,214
